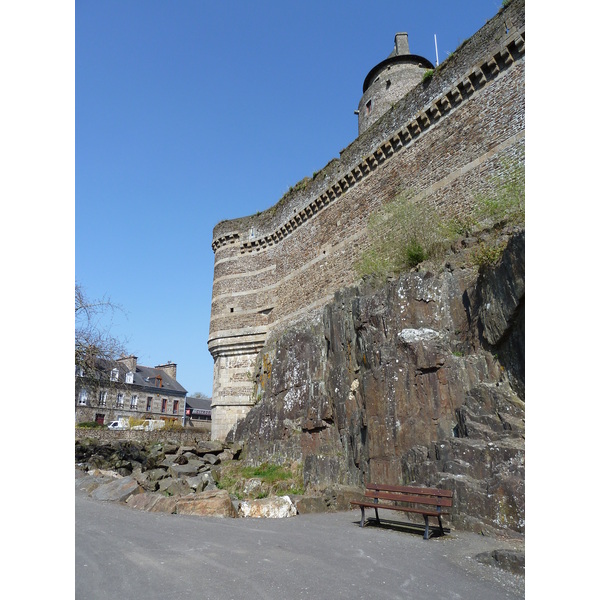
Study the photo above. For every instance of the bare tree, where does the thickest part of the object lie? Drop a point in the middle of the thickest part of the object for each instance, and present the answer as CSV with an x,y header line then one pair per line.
x,y
94,344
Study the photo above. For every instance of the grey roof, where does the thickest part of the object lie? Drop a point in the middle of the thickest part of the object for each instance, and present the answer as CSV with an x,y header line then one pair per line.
x,y
148,378
145,377
199,403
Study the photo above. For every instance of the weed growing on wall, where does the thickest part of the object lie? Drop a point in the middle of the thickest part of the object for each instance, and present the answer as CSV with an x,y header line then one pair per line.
x,y
506,200
403,234
427,75
486,255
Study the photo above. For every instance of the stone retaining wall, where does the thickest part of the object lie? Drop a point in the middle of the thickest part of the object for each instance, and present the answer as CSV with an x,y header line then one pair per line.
x,y
200,431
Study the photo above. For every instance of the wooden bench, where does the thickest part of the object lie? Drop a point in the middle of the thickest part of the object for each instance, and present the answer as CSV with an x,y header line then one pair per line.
x,y
425,501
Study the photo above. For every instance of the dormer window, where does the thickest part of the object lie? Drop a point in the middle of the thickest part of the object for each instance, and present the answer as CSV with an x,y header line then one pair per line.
x,y
158,381
114,375
129,377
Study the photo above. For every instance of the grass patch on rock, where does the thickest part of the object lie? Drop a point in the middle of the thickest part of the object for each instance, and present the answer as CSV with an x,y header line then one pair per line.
x,y
267,479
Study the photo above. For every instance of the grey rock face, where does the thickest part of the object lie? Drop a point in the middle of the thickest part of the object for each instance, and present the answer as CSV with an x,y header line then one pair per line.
x,y
202,482
187,470
117,490
174,486
509,560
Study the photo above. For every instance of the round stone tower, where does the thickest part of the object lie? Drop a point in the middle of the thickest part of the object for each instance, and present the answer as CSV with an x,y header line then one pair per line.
x,y
389,81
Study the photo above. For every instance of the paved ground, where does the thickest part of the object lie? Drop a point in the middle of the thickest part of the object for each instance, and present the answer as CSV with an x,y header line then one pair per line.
x,y
134,555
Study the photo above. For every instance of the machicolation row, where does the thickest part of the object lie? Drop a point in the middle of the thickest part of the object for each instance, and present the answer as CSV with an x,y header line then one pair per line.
x,y
442,106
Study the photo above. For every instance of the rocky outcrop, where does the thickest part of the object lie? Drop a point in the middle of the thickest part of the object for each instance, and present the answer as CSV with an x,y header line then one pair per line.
x,y
420,381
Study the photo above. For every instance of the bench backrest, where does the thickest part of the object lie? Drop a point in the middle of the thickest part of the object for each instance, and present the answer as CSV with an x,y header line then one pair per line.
x,y
412,495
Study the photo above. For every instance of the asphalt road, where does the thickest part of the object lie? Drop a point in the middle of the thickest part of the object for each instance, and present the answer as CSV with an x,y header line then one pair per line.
x,y
124,553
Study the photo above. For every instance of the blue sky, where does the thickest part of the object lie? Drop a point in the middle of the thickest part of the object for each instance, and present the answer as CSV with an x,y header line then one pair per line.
x,y
192,112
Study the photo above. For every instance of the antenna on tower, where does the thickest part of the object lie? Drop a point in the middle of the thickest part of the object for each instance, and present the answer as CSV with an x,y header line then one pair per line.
x,y
437,62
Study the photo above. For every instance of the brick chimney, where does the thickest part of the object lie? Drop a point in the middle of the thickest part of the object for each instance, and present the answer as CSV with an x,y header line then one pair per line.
x,y
129,362
170,369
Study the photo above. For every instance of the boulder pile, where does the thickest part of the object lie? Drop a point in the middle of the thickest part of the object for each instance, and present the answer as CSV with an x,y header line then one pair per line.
x,y
167,477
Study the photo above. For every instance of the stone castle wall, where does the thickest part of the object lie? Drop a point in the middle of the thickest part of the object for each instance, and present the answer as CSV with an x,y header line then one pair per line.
x,y
442,143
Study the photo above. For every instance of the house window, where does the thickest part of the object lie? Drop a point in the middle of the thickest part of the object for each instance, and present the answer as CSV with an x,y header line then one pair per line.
x,y
102,398
164,405
114,375
119,400
158,381
82,398
175,406
129,377
134,400
149,404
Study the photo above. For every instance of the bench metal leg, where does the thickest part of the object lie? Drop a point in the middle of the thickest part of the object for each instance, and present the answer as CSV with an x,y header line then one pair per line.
x,y
362,516
426,535
427,532
377,516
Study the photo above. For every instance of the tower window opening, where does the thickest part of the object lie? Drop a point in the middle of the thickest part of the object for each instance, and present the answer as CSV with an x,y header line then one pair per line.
x,y
369,107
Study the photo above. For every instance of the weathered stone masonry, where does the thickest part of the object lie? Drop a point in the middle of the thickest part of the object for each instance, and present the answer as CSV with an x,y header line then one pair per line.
x,y
441,142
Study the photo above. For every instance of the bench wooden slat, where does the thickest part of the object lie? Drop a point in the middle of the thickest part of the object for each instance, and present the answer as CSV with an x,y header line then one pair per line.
x,y
409,489
431,513
412,499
